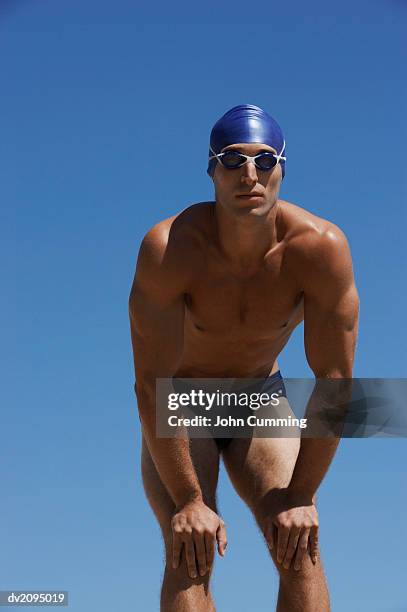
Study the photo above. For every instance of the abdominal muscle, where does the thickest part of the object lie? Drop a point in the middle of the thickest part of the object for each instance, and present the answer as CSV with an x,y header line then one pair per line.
x,y
211,356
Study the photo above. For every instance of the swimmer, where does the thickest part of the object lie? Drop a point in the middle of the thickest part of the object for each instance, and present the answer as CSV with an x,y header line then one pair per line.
x,y
218,290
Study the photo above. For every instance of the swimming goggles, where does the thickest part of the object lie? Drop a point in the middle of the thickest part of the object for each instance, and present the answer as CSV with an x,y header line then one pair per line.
x,y
233,159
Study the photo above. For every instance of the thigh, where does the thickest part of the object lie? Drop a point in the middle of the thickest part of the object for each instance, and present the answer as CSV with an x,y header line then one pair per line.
x,y
205,457
256,466
259,465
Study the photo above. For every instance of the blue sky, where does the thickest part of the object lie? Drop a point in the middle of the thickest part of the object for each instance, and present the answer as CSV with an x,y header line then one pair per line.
x,y
105,117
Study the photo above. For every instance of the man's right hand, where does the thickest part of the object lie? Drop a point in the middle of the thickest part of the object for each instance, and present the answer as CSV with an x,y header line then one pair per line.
x,y
195,526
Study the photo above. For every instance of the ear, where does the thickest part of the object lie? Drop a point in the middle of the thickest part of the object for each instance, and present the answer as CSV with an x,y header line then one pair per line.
x,y
281,172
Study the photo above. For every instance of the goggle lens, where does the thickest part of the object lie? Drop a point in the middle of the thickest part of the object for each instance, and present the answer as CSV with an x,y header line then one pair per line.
x,y
266,161
233,159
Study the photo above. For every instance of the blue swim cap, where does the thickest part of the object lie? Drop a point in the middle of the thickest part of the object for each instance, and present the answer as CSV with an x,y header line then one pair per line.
x,y
245,123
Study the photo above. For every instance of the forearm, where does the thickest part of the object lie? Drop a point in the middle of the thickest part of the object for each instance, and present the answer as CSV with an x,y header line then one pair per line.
x,y
171,456
314,459
326,413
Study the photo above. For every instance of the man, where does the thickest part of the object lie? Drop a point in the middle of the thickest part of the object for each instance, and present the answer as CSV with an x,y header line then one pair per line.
x,y
218,290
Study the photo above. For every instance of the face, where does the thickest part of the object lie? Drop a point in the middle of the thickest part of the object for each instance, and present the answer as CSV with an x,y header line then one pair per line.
x,y
247,190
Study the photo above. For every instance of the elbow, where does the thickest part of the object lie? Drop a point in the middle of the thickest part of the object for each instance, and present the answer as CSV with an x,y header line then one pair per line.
x,y
146,400
144,388
333,373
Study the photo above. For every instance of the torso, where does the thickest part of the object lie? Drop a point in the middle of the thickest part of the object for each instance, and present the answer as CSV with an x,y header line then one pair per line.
x,y
237,324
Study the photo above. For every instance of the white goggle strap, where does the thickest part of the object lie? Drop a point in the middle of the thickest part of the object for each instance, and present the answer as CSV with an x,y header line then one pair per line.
x,y
280,155
214,154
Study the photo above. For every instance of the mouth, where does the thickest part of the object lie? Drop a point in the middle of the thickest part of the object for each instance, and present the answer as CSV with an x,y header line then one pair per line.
x,y
249,195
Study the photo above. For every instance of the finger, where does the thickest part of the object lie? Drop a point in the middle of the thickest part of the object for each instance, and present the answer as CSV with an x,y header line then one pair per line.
x,y
210,549
274,531
301,549
282,541
314,544
221,538
190,557
291,546
200,552
177,525
176,549
268,534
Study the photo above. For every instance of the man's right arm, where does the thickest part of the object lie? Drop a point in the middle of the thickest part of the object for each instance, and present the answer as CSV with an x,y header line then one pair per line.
x,y
156,310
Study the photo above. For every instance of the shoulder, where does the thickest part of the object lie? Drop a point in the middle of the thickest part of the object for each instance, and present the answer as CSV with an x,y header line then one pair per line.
x,y
316,247
171,248
178,235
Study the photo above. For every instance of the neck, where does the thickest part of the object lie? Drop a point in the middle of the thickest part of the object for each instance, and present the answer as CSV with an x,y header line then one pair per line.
x,y
245,241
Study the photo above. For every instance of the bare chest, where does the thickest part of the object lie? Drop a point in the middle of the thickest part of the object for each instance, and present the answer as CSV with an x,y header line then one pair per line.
x,y
260,306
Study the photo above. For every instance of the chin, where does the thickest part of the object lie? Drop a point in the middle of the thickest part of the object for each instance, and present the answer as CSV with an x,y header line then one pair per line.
x,y
257,208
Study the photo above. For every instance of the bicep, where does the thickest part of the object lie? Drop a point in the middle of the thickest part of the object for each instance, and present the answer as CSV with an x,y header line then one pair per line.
x,y
156,311
157,328
330,331
331,310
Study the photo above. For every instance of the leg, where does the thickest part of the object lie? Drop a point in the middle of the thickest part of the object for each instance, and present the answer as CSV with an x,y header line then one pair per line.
x,y
256,467
179,592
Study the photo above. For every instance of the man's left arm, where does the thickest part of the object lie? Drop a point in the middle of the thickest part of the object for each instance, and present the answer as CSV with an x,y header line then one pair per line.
x,y
331,312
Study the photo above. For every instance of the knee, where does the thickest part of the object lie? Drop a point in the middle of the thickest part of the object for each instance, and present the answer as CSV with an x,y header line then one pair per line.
x,y
307,572
179,576
181,579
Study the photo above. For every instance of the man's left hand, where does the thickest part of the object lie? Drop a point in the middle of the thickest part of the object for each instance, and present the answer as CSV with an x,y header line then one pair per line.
x,y
292,531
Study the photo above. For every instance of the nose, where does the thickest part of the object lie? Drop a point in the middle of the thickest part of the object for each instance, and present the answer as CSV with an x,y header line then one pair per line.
x,y
249,174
